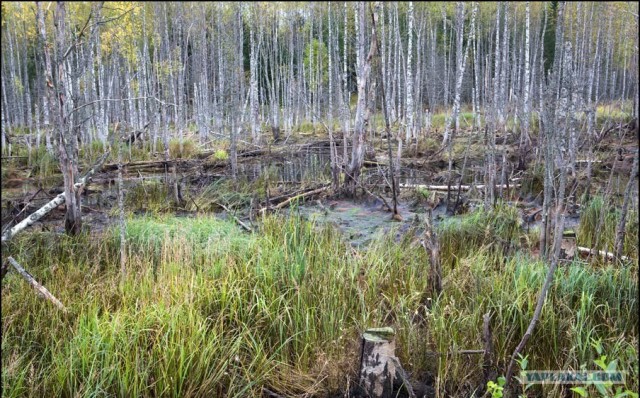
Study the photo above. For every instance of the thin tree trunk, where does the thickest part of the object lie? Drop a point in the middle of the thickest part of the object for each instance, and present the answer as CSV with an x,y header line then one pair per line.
x,y
358,139
620,229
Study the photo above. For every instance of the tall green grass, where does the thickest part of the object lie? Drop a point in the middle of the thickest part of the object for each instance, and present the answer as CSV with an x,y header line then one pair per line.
x,y
497,230
590,232
207,310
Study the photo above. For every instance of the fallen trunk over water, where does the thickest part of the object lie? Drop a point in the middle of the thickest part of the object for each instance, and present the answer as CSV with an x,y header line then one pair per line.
x,y
57,201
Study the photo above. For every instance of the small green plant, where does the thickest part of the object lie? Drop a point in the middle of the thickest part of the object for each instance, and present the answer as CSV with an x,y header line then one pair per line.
x,y
496,389
220,154
523,361
424,192
604,389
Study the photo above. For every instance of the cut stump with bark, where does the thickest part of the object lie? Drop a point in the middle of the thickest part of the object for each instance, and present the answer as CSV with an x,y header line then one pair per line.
x,y
378,362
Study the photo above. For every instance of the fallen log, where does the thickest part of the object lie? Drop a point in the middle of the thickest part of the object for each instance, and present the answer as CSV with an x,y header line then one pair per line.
x,y
278,199
300,196
603,253
57,201
462,187
303,195
42,291
241,154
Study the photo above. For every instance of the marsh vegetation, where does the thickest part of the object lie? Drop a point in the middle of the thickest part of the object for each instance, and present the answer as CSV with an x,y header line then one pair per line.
x,y
222,198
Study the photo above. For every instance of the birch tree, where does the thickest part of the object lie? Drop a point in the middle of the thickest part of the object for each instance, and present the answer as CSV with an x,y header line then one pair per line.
x,y
410,133
364,69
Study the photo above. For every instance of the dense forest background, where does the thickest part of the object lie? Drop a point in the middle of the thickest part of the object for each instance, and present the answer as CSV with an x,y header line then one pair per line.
x,y
206,68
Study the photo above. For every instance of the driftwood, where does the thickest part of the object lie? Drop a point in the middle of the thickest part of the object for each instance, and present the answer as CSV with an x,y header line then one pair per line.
x,y
461,187
57,201
606,254
42,291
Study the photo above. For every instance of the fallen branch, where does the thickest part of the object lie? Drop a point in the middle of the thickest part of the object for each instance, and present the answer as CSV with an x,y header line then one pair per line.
x,y
38,287
243,225
290,194
461,187
57,201
608,255
303,195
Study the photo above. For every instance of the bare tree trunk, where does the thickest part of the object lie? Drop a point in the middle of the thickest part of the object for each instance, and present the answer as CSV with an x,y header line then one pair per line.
x,y
620,229
409,135
525,139
358,139
461,66
335,178
121,221
386,124
59,95
253,83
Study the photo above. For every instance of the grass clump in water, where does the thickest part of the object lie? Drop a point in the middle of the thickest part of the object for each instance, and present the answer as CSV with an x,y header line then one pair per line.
x,y
149,195
462,236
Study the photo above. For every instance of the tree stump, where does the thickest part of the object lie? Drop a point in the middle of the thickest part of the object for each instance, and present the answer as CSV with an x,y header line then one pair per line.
x,y
378,362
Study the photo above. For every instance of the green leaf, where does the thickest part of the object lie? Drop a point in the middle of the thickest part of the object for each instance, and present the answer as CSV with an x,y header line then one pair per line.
x,y
601,362
612,365
580,391
502,381
597,344
601,389
523,362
